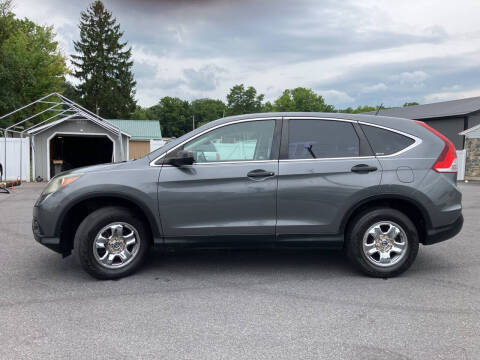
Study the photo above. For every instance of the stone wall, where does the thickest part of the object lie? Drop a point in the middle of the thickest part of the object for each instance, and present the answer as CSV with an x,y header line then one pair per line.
x,y
472,166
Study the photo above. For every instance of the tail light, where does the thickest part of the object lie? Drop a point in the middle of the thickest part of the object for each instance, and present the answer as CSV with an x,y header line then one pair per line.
x,y
447,161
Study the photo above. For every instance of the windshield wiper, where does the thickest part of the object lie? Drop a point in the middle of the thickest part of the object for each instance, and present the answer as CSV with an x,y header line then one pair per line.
x,y
311,151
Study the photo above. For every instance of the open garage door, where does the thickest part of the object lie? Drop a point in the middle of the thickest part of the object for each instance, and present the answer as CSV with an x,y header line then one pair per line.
x,y
73,151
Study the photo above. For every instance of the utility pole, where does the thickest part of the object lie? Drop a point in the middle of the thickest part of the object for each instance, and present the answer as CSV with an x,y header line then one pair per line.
x,y
193,122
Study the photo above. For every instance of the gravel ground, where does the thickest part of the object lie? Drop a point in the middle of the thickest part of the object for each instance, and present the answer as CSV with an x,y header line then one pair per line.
x,y
237,304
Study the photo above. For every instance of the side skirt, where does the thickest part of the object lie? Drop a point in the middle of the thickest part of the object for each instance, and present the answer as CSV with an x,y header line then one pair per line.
x,y
249,241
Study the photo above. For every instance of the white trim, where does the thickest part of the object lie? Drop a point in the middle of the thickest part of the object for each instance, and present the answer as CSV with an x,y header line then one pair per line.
x,y
128,150
465,132
152,163
76,134
32,144
74,117
332,158
417,140
319,118
227,162
42,128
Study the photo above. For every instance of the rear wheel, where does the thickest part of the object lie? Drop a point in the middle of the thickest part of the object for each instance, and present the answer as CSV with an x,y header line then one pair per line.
x,y
111,243
382,242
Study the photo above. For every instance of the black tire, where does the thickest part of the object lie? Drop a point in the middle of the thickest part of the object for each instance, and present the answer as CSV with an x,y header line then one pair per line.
x,y
355,235
92,225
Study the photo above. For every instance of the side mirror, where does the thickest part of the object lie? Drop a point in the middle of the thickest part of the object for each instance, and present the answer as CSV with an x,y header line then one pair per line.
x,y
182,157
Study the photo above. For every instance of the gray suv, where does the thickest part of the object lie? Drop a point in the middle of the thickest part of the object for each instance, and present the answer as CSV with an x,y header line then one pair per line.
x,y
375,186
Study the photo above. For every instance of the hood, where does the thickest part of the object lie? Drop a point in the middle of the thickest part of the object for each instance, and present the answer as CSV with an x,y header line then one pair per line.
x,y
101,167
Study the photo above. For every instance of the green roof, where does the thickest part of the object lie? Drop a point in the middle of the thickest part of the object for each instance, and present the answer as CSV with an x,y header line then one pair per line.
x,y
139,129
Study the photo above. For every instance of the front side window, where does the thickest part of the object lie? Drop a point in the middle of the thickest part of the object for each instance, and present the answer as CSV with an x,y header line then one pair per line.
x,y
244,141
312,139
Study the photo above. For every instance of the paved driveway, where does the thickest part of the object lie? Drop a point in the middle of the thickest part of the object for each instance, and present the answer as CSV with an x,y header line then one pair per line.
x,y
237,304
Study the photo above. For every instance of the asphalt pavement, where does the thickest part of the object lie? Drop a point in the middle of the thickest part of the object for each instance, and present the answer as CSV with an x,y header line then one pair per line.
x,y
237,304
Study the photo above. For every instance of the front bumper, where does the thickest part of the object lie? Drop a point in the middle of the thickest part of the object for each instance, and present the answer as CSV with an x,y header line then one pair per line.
x,y
52,243
443,233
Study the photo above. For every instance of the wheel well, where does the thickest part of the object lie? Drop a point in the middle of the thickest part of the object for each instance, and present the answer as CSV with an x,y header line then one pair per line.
x,y
410,209
80,211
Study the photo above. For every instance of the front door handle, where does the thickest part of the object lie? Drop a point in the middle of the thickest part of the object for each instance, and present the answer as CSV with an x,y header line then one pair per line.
x,y
260,173
363,168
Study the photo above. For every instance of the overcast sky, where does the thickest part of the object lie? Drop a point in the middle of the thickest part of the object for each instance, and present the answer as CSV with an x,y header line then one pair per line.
x,y
351,52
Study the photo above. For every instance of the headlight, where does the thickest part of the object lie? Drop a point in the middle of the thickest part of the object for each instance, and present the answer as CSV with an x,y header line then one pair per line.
x,y
59,182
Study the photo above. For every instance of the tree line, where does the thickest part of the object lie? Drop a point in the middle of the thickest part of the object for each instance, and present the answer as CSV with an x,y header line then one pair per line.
x,y
32,65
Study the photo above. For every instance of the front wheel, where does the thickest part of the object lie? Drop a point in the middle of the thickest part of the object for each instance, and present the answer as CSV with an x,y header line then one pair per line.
x,y
111,243
382,242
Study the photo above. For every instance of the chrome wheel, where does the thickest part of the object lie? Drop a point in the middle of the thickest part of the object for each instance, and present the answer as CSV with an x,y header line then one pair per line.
x,y
116,245
385,243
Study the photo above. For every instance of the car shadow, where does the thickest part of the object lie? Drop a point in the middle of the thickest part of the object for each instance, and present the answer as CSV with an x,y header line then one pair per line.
x,y
248,261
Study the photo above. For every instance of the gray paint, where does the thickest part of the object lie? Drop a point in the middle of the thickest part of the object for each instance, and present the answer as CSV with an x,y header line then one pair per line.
x,y
77,126
200,203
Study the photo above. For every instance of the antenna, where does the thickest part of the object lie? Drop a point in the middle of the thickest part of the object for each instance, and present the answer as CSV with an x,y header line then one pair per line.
x,y
379,108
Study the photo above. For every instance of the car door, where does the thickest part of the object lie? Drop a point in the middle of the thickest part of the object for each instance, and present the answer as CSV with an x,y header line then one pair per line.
x,y
326,166
230,190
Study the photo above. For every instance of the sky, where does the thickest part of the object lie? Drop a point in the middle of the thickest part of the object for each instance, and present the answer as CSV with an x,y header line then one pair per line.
x,y
351,52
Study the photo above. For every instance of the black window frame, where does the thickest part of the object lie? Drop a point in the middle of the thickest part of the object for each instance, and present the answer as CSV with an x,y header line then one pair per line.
x,y
364,146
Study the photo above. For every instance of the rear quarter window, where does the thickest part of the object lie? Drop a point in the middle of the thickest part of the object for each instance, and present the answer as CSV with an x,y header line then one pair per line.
x,y
386,142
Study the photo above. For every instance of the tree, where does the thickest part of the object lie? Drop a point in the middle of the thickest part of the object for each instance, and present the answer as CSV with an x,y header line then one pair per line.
x,y
70,92
267,107
103,64
31,65
244,101
206,110
140,113
301,99
410,104
174,114
360,109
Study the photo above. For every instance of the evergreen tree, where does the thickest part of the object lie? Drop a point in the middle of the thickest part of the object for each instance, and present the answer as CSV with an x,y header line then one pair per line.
x,y
103,65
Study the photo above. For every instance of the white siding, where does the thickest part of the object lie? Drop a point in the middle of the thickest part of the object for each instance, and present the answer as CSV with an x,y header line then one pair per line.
x,y
18,152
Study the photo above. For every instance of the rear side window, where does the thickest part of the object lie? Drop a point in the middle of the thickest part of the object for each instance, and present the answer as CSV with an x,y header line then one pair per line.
x,y
311,139
386,142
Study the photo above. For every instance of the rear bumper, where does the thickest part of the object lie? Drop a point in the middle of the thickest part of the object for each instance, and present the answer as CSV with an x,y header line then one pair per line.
x,y
443,233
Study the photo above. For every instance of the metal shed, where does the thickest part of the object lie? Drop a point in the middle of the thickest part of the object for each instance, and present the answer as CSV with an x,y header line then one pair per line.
x,y
64,135
75,141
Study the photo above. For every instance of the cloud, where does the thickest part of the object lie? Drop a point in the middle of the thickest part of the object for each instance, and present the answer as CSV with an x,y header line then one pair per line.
x,y
375,88
414,78
205,78
357,52
451,95
336,97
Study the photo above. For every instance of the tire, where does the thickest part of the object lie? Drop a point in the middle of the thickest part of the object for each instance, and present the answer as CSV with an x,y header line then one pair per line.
x,y
121,232
373,239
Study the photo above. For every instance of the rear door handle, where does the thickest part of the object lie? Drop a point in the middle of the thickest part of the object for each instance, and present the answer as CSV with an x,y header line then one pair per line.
x,y
363,168
260,173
